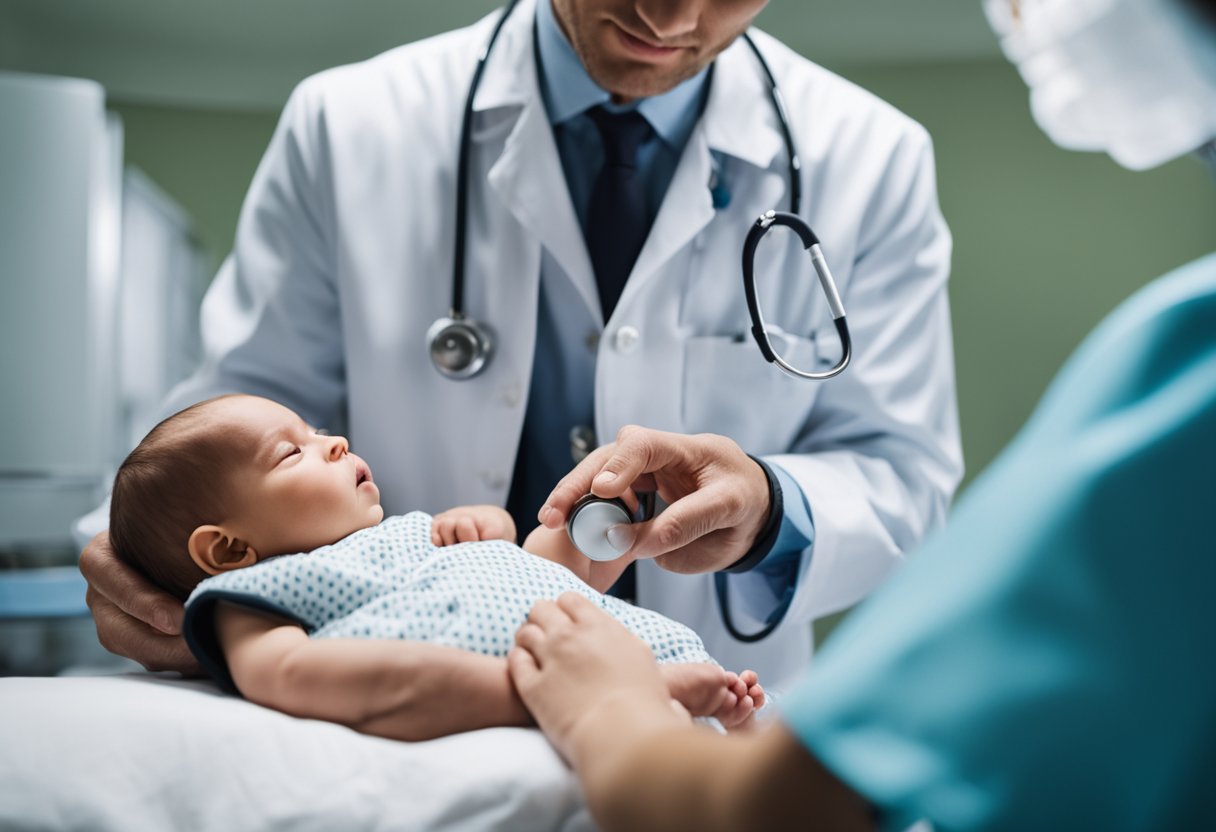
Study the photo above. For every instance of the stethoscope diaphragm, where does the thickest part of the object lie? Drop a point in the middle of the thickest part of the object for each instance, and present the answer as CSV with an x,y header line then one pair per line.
x,y
589,522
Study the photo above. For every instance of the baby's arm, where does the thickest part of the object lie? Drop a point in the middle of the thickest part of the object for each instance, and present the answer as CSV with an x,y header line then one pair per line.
x,y
404,690
555,545
467,524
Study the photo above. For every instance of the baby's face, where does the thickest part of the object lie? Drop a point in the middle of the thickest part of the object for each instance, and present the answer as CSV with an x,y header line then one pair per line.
x,y
302,488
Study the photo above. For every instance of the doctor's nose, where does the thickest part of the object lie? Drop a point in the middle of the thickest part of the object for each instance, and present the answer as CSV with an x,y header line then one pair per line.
x,y
670,18
337,447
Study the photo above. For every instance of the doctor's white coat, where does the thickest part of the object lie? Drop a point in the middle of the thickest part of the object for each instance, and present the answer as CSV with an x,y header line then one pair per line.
x,y
343,259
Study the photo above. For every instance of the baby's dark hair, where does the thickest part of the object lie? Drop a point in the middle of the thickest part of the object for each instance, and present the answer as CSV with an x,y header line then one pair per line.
x,y
177,479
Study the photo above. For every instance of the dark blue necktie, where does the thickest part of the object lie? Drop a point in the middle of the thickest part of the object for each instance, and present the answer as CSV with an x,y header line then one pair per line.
x,y
617,219
617,225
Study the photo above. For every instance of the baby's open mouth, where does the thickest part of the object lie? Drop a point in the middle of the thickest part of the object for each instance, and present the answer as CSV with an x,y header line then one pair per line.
x,y
362,474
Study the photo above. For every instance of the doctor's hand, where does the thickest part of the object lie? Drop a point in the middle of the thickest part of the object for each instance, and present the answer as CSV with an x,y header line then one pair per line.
x,y
591,684
134,618
717,496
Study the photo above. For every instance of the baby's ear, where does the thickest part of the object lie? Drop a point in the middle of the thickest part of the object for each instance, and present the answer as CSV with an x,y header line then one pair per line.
x,y
214,550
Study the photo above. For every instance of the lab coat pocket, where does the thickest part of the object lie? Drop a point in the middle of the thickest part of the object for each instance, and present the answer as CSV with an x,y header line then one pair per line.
x,y
730,389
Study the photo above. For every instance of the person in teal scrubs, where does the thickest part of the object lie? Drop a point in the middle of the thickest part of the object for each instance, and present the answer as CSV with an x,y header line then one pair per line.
x,y
1048,661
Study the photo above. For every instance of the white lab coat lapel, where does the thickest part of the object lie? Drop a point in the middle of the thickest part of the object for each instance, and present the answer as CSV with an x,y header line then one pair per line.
x,y
528,175
738,121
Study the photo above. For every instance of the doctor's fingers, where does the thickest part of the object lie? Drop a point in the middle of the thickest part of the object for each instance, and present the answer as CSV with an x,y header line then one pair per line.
x,y
638,452
121,586
612,468
701,526
126,636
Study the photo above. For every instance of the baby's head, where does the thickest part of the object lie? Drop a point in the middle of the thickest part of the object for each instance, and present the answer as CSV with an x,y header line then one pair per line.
x,y
232,481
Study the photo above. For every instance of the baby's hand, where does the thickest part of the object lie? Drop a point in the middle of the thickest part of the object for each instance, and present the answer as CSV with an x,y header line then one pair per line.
x,y
467,524
708,690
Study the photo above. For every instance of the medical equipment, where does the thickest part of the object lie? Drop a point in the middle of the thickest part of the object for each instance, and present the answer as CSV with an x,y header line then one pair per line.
x,y
592,517
589,522
760,331
460,347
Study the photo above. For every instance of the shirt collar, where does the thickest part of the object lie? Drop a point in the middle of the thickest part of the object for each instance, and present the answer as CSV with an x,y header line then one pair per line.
x,y
569,91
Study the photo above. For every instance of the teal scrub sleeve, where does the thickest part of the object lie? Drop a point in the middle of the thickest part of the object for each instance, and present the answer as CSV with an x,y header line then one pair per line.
x,y
1048,661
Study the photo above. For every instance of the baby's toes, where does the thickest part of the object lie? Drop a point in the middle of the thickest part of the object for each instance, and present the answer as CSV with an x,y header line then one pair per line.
x,y
740,710
756,692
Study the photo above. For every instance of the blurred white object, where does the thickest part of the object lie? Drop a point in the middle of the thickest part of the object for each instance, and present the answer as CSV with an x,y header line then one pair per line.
x,y
60,162
99,285
159,295
1133,78
127,752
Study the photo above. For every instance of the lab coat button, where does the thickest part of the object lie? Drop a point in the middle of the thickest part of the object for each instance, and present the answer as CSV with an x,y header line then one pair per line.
x,y
512,395
626,339
494,479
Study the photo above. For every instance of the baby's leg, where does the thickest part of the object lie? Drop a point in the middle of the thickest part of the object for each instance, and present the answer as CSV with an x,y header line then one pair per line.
x,y
708,690
555,545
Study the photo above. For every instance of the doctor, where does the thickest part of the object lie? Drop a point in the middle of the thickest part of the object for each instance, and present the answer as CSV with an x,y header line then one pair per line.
x,y
1046,662
609,302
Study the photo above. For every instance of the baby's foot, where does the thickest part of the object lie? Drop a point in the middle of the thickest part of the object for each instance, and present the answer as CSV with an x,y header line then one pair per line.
x,y
703,689
708,690
748,697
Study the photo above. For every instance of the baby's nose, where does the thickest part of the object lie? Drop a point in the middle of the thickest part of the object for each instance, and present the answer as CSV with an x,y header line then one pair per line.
x,y
338,447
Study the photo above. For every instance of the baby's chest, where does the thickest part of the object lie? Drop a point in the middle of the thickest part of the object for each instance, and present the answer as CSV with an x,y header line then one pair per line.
x,y
473,600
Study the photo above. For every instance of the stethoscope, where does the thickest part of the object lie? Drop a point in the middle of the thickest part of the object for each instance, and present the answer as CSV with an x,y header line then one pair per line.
x,y
461,347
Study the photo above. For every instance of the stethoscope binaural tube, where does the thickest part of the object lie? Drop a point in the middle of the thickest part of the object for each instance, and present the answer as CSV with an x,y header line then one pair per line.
x,y
759,330
459,346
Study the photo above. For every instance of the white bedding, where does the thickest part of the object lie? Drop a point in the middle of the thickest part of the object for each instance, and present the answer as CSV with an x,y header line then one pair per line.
x,y
140,752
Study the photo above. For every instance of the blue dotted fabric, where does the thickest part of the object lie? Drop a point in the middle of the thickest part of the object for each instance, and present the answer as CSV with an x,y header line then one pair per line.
x,y
390,581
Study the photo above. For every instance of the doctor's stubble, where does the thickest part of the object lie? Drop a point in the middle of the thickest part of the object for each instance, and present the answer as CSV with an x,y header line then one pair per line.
x,y
689,34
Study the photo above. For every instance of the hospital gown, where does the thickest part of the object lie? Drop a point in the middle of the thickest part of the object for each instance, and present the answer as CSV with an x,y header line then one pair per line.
x,y
1048,661
390,581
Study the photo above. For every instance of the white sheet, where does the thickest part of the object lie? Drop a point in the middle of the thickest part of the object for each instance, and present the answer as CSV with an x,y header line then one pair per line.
x,y
144,752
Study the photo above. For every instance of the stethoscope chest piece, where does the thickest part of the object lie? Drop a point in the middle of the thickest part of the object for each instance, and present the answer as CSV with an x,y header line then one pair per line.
x,y
589,522
459,346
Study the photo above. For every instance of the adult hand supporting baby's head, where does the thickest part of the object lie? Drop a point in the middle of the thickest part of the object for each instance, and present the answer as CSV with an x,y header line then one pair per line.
x,y
134,618
717,496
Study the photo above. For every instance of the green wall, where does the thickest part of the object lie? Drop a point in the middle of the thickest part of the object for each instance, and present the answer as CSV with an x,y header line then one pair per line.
x,y
203,158
1046,241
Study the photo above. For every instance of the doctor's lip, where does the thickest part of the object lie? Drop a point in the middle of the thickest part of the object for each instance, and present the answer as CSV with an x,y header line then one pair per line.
x,y
643,47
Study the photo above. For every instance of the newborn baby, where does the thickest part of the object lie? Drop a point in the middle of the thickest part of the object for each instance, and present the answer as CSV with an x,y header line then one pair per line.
x,y
302,597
